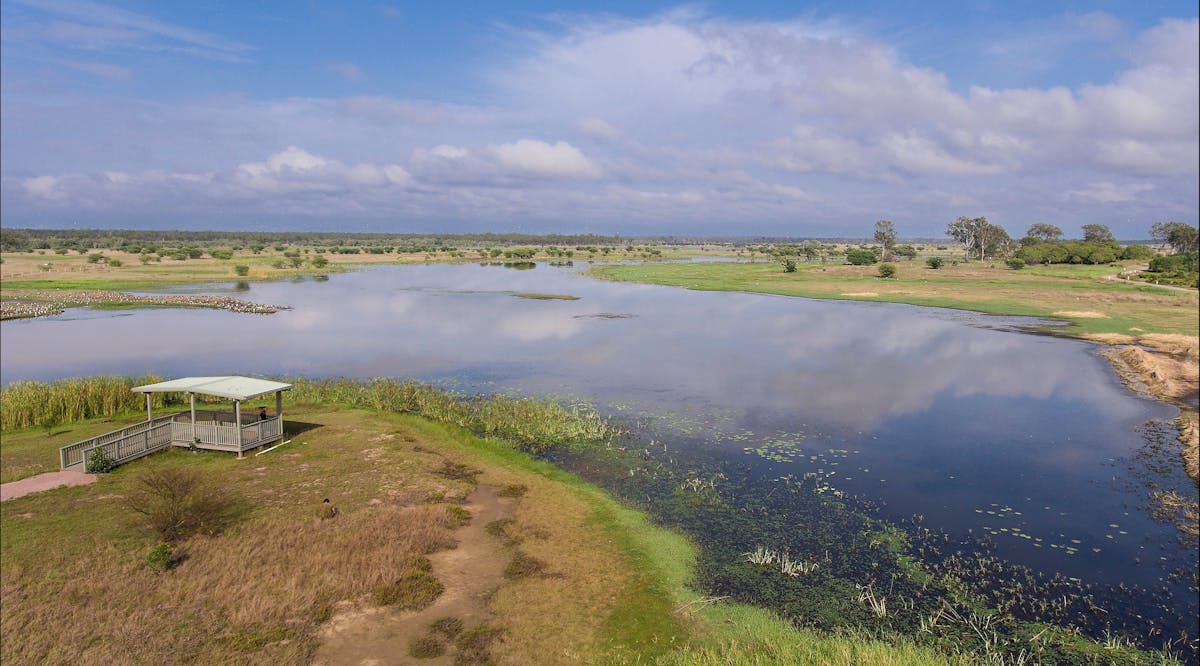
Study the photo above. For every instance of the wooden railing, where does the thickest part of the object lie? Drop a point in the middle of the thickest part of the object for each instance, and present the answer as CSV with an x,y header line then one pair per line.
x,y
72,454
144,438
260,431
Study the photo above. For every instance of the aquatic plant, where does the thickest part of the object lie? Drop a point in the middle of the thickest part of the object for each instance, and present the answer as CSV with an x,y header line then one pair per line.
x,y
878,605
761,556
794,568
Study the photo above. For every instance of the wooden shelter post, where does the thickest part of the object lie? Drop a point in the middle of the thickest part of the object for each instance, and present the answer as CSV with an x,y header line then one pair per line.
x,y
279,408
237,423
192,396
149,412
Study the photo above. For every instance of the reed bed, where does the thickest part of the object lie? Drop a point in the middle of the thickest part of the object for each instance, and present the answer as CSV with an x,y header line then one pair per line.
x,y
532,424
30,403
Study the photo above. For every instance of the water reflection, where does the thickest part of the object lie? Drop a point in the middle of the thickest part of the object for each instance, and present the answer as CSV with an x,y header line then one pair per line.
x,y
946,412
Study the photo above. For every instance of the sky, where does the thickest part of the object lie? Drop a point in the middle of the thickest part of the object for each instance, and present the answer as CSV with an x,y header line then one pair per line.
x,y
748,118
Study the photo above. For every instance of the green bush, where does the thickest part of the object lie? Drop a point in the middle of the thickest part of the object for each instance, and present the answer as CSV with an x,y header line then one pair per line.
x,y
1016,263
319,261
95,258
241,270
221,254
1137,252
861,257
98,462
161,556
935,262
789,265
115,263
887,270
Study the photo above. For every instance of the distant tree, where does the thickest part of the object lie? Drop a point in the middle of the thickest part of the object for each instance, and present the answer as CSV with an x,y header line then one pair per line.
x,y
1097,233
979,236
1181,237
885,235
1042,233
861,257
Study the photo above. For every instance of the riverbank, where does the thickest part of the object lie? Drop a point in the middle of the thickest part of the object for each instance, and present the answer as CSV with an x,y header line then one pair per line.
x,y
1162,325
292,577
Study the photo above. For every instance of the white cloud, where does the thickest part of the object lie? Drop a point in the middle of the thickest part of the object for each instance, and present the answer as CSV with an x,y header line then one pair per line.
x,y
1110,193
679,119
42,187
541,158
597,128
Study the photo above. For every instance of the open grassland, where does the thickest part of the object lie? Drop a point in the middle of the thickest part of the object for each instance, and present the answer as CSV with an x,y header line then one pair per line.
x,y
77,587
1074,294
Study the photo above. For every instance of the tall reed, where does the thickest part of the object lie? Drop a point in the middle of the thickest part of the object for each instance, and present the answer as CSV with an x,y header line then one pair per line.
x,y
29,403
533,424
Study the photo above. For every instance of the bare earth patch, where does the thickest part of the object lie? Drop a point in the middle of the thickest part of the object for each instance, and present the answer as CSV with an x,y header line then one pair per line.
x,y
470,573
36,484
1081,314
860,293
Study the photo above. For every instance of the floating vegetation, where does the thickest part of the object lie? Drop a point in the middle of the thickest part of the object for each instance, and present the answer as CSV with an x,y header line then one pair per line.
x,y
605,315
546,297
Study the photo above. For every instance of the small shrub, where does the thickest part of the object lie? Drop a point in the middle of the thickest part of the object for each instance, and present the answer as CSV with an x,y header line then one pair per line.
x,y
935,262
789,265
426,647
319,261
1016,263
447,626
115,263
474,645
458,514
457,471
98,462
513,490
49,423
161,556
95,258
887,270
221,254
415,589
241,270
861,257
278,264
499,528
523,566
177,502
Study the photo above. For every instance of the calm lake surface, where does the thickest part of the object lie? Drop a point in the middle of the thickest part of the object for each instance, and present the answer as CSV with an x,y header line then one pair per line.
x,y
933,419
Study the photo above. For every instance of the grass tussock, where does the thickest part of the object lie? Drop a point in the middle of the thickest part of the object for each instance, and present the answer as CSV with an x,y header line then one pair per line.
x,y
474,646
415,589
426,647
177,502
524,565
513,490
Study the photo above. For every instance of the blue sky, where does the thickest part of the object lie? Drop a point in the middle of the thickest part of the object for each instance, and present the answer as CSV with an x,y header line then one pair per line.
x,y
731,118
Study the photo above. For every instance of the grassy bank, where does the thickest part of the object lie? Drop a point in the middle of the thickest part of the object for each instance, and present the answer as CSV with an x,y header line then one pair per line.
x,y
78,588
1068,293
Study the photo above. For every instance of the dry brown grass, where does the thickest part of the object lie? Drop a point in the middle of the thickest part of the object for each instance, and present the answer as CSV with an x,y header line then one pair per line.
x,y
255,594
260,591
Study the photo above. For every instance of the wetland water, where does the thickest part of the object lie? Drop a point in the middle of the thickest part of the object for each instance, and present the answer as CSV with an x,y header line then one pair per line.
x,y
1015,461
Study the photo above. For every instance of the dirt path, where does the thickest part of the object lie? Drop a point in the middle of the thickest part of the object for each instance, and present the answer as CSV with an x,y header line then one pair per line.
x,y
1120,277
36,484
470,573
